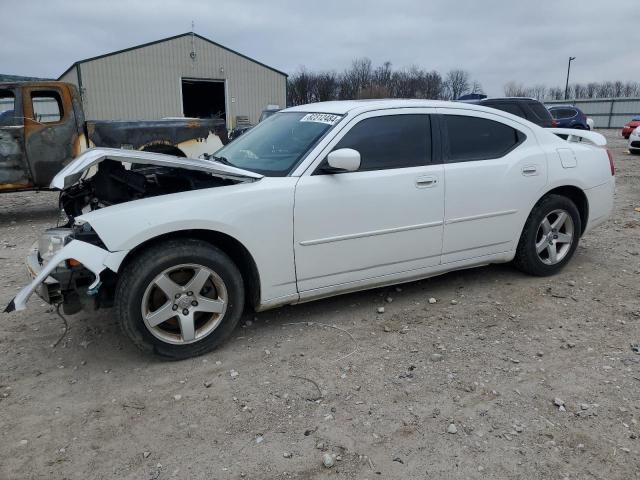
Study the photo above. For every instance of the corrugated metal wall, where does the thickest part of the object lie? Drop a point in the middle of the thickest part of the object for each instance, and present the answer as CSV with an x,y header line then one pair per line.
x,y
606,112
145,83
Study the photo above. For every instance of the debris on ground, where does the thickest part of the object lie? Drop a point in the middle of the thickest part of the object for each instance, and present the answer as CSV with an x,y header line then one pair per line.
x,y
328,460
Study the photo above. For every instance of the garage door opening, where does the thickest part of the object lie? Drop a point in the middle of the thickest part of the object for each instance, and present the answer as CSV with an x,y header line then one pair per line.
x,y
203,98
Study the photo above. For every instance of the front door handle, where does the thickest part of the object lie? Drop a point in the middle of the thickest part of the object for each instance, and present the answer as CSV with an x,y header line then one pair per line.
x,y
426,182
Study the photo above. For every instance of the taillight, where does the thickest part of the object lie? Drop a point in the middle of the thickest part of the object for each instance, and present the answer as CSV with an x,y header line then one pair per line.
x,y
611,164
554,123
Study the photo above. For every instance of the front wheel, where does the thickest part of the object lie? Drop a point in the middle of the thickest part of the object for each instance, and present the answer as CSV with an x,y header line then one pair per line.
x,y
179,298
550,236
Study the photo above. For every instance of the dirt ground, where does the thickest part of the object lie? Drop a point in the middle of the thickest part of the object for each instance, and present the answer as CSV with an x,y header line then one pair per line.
x,y
377,392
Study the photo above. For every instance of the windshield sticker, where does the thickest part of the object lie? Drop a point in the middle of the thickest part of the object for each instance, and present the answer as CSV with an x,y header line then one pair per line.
x,y
327,118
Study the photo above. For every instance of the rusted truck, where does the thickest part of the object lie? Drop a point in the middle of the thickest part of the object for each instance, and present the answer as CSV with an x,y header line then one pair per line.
x,y
42,128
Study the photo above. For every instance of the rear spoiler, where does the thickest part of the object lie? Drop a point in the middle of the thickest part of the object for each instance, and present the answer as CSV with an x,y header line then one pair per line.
x,y
575,135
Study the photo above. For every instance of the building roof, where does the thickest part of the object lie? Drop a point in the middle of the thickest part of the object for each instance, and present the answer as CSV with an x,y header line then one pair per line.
x,y
166,40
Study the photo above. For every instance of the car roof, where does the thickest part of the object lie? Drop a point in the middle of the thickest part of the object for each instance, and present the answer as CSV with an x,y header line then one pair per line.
x,y
550,107
342,107
508,99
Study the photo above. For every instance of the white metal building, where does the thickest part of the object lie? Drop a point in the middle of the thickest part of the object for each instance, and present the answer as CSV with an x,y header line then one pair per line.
x,y
186,75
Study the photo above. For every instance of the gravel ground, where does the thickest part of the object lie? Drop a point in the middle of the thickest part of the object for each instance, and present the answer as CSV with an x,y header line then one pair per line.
x,y
460,388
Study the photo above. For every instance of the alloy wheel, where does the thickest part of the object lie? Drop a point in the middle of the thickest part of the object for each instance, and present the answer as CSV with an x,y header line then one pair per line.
x,y
554,237
184,303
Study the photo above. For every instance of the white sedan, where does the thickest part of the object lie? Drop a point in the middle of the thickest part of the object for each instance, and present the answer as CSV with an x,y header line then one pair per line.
x,y
317,200
634,141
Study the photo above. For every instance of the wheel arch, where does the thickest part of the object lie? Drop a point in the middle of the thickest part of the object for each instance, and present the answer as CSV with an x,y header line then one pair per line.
x,y
577,196
163,148
229,245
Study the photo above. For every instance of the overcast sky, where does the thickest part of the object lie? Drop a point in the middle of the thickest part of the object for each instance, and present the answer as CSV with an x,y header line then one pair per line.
x,y
528,41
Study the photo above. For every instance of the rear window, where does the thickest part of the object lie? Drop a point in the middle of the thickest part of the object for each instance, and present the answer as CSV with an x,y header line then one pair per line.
x,y
562,113
47,106
539,110
7,109
474,138
512,108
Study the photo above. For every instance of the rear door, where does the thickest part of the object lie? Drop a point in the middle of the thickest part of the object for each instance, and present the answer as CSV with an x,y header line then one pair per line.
x,y
51,135
382,220
494,172
14,172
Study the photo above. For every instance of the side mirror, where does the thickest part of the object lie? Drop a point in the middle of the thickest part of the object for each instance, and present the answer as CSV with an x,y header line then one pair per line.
x,y
343,160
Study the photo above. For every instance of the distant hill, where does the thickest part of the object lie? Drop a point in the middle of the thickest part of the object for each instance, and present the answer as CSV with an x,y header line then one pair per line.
x,y
18,78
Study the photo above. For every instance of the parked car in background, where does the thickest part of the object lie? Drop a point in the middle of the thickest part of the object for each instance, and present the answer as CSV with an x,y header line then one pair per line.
x,y
267,112
236,132
528,108
634,141
631,126
591,123
568,116
319,200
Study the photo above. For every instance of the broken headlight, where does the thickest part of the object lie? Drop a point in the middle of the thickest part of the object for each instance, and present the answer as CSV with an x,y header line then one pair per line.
x,y
52,241
84,232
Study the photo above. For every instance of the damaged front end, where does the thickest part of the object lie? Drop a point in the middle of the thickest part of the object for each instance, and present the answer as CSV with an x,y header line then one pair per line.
x,y
70,264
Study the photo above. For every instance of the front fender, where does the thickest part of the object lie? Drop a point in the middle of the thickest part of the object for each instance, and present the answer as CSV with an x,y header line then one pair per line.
x,y
258,215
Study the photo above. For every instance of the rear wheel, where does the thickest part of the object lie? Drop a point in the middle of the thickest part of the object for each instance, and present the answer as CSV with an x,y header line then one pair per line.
x,y
550,236
179,298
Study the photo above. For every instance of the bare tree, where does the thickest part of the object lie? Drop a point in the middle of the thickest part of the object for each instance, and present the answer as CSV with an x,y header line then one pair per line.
x,y
538,92
513,89
325,86
299,88
356,78
591,90
456,84
476,87
362,80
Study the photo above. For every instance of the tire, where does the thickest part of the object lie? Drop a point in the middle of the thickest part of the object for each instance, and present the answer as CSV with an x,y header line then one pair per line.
x,y
537,241
191,322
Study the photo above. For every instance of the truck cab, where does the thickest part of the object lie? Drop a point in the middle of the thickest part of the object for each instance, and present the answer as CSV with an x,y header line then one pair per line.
x,y
41,129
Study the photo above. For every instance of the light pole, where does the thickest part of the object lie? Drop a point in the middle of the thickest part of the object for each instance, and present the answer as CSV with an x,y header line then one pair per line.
x,y
566,88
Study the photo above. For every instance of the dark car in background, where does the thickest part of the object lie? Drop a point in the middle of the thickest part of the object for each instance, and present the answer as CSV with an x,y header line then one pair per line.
x,y
528,108
631,126
568,116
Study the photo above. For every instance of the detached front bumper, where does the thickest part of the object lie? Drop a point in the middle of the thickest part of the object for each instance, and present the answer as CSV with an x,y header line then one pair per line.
x,y
92,258
49,289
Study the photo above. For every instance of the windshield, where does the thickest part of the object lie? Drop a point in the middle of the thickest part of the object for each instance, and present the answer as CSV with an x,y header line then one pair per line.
x,y
275,146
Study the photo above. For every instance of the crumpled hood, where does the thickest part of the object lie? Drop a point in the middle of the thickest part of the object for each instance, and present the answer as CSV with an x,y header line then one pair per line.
x,y
76,168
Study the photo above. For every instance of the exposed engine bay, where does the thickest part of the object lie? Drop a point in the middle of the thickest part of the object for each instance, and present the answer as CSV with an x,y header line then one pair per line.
x,y
113,183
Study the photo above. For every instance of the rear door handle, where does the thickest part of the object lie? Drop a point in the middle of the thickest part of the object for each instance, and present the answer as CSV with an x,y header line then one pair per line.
x,y
530,170
426,182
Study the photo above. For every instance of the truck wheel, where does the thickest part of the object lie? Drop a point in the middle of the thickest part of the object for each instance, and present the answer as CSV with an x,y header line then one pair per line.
x,y
550,236
179,298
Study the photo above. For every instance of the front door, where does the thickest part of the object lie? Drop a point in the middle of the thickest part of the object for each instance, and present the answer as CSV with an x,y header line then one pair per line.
x,y
494,172
50,131
385,218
